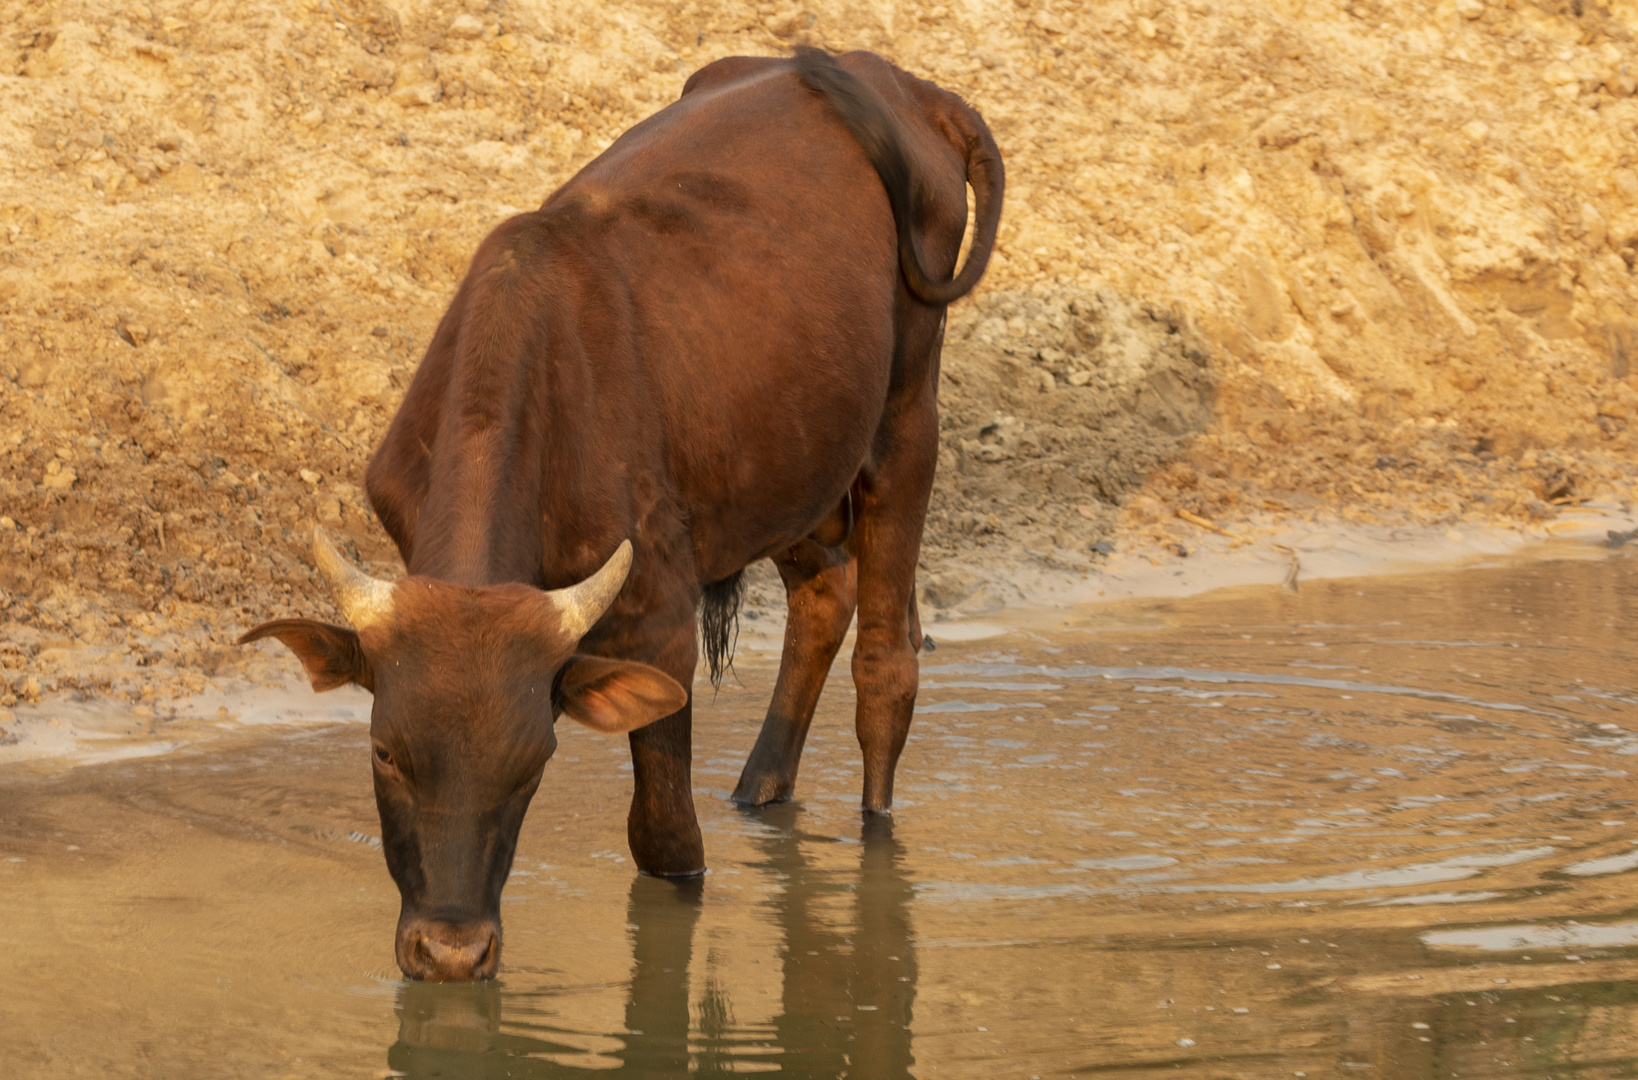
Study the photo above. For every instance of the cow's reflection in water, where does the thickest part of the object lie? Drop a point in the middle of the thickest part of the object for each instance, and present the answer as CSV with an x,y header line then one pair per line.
x,y
846,998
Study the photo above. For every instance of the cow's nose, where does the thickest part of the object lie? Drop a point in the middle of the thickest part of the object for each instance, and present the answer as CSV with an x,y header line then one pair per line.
x,y
438,951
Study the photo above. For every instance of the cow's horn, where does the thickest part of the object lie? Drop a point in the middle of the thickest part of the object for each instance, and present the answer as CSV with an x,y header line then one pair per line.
x,y
580,606
362,598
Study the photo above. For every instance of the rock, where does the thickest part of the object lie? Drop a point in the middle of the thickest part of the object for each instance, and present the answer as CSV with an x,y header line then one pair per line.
x,y
466,25
1470,9
1593,226
950,588
422,93
1626,182
58,475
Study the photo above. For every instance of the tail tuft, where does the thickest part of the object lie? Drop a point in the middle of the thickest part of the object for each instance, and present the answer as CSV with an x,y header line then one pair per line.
x,y
719,623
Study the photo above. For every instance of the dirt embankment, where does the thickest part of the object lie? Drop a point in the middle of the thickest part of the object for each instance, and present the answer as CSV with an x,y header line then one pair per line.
x,y
1366,260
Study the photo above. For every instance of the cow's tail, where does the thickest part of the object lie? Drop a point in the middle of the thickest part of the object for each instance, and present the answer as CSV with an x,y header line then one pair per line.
x,y
872,125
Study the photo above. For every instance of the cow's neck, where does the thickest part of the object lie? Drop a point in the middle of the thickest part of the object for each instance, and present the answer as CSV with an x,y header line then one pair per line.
x,y
480,523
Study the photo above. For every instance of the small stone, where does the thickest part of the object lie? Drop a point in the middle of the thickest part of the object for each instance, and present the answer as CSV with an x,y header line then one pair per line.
x,y
466,26
1470,9
1593,227
59,476
413,94
1079,378
1626,182
45,138
950,588
309,476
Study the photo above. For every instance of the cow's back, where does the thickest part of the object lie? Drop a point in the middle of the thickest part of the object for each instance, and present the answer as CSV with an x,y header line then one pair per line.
x,y
722,306
760,253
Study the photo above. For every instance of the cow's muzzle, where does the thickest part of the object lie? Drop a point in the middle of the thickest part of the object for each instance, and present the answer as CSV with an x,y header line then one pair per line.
x,y
436,950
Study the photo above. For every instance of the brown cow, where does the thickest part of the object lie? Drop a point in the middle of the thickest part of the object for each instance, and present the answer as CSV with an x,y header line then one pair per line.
x,y
718,343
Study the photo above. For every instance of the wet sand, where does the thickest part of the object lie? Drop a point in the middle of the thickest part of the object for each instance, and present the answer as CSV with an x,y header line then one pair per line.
x,y
1376,827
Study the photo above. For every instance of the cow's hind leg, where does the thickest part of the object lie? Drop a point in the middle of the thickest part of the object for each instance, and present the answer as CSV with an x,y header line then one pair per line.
x,y
820,592
887,542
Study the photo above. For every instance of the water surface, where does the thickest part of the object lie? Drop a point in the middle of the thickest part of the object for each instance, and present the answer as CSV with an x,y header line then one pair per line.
x,y
1379,827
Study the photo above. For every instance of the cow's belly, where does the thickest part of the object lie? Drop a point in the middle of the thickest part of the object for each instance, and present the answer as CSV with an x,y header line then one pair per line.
x,y
770,418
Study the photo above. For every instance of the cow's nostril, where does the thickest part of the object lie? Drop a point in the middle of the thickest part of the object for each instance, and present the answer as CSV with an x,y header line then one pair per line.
x,y
421,953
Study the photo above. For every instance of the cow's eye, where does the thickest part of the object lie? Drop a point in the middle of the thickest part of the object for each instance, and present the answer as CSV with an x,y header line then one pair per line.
x,y
383,755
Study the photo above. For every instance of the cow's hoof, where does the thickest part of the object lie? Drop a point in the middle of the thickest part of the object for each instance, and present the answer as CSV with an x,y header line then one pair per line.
x,y
762,791
673,875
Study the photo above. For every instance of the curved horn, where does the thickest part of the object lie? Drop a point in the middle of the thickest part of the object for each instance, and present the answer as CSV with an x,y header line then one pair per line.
x,y
362,598
580,606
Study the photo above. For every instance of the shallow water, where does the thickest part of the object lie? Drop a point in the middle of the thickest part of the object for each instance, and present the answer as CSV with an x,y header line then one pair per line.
x,y
1381,827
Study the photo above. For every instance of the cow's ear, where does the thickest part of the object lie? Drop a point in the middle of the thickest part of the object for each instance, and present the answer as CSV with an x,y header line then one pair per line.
x,y
331,654
615,696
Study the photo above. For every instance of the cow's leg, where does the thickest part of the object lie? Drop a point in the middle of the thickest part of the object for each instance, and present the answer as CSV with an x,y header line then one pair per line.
x,y
887,541
662,828
820,592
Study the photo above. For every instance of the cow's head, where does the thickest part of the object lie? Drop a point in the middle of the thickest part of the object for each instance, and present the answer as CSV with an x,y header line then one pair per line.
x,y
468,683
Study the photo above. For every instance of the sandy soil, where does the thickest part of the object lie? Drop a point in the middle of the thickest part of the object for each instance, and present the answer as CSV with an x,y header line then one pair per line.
x,y
1285,265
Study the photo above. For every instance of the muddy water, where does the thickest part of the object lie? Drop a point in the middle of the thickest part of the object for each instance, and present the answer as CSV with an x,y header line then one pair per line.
x,y
1380,828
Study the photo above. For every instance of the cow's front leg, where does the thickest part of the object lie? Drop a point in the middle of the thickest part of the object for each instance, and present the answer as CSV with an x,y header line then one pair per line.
x,y
662,828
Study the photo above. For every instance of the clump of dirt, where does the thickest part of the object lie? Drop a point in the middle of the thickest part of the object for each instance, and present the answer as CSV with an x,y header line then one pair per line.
x,y
1369,261
1056,403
